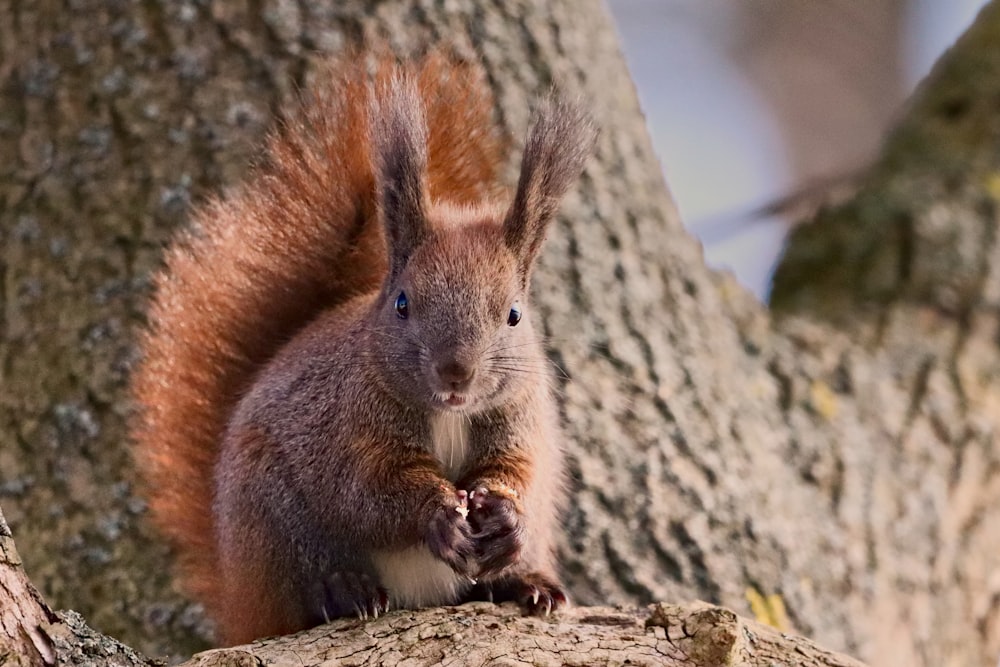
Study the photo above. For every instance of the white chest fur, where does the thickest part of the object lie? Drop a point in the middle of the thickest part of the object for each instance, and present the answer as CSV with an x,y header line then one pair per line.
x,y
450,441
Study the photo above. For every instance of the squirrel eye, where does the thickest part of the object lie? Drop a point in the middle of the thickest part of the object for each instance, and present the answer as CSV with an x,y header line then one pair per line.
x,y
515,316
402,306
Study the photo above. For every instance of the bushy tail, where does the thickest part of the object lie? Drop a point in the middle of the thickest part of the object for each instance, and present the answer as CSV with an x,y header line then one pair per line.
x,y
259,263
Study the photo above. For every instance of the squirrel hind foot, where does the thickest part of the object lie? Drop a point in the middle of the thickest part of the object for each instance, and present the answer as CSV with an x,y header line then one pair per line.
x,y
538,594
345,593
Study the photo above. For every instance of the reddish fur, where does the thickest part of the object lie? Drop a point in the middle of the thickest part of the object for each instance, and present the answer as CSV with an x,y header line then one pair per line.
x,y
260,262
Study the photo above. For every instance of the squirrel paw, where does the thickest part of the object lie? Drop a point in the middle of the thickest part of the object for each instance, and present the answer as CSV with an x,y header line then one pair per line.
x,y
449,534
498,534
537,593
351,594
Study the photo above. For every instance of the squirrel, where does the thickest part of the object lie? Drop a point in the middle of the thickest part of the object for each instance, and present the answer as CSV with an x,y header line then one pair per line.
x,y
342,406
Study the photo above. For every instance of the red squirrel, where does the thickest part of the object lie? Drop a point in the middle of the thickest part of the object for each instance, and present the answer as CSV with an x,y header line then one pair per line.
x,y
343,407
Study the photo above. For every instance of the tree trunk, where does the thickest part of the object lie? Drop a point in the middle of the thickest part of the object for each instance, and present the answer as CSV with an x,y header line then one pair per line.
x,y
834,473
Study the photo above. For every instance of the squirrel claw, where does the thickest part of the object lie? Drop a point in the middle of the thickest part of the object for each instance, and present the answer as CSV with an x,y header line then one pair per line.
x,y
537,593
546,597
348,593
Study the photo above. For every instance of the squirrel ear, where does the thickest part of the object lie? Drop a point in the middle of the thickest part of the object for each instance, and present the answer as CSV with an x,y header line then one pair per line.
x,y
561,138
399,159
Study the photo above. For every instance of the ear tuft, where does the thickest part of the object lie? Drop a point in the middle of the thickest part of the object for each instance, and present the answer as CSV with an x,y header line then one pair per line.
x,y
561,138
399,160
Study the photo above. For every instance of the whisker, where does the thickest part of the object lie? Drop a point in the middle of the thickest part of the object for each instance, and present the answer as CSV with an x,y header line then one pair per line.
x,y
512,347
523,371
533,363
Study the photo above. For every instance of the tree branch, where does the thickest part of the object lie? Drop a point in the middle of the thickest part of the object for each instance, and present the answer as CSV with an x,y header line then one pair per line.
x,y
696,635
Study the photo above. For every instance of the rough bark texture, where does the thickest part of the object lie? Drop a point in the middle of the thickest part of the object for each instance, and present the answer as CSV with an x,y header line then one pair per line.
x,y
835,474
22,610
32,635
909,268
481,634
698,635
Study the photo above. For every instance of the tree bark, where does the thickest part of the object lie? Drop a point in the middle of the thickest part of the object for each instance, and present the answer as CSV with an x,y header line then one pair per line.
x,y
23,610
698,635
834,472
32,635
482,634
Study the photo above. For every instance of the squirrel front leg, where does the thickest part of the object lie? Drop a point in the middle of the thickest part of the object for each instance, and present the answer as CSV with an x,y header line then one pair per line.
x,y
496,488
511,509
404,500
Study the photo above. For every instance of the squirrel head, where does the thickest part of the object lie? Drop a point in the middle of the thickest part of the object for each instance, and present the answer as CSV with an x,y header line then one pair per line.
x,y
453,323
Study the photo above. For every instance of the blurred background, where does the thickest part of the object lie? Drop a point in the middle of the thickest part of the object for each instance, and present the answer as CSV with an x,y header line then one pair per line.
x,y
756,102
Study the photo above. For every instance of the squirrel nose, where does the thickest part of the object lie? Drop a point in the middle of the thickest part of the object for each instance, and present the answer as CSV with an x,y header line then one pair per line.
x,y
456,375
